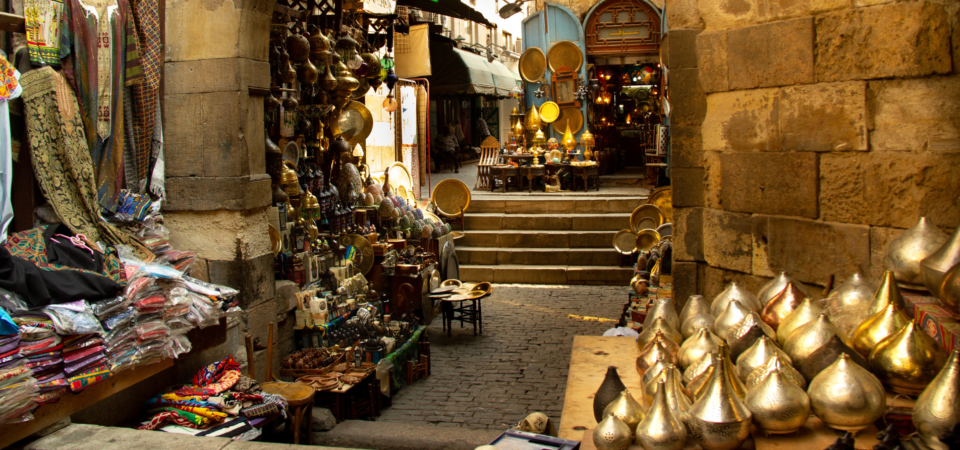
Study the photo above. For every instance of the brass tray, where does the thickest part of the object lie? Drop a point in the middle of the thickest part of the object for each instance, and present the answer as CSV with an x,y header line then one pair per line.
x,y
565,56
450,195
549,112
533,64
646,216
291,152
665,230
276,242
625,242
663,198
363,260
451,282
573,115
355,123
434,280
646,239
399,176
436,218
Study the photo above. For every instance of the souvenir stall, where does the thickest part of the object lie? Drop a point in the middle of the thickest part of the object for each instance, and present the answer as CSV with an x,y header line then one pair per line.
x,y
866,363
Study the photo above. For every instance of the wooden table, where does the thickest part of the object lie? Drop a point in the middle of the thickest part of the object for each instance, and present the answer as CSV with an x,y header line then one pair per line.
x,y
585,173
531,172
588,365
518,157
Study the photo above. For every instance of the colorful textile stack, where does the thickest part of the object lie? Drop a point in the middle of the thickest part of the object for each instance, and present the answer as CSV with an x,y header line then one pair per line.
x,y
218,393
84,361
41,349
18,388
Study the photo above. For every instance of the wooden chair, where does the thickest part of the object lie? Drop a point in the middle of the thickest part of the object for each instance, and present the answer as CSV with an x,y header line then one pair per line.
x,y
299,397
655,155
489,156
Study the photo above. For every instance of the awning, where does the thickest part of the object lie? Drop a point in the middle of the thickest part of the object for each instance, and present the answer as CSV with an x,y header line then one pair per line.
x,y
452,8
460,72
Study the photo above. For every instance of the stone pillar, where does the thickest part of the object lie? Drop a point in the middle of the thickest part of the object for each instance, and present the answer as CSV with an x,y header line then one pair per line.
x,y
827,127
217,189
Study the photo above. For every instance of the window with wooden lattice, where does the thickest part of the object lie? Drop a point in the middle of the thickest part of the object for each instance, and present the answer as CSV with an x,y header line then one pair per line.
x,y
623,26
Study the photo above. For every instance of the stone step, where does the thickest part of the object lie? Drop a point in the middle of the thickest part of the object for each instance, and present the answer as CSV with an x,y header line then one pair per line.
x,y
608,181
551,274
538,256
533,239
583,222
554,205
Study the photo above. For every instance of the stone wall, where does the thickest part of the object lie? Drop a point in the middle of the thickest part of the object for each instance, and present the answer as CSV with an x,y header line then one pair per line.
x,y
808,134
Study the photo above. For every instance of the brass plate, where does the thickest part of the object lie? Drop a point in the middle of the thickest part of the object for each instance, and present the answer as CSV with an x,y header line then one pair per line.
x,y
549,112
665,230
399,176
276,242
291,152
355,123
436,218
573,115
646,239
663,198
565,56
363,260
625,242
450,195
533,64
646,216
455,283
434,280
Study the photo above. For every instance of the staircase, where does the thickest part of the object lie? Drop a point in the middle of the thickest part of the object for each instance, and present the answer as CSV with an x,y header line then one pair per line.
x,y
547,238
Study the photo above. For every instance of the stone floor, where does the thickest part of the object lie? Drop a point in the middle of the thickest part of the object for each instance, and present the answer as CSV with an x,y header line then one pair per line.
x,y
519,364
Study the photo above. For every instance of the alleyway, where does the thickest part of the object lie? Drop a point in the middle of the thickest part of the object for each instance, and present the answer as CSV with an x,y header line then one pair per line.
x,y
517,366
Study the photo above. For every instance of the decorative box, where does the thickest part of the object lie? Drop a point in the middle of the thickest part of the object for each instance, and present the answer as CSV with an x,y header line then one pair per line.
x,y
938,322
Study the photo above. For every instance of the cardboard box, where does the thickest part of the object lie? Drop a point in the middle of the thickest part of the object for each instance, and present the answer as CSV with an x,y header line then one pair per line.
x,y
934,319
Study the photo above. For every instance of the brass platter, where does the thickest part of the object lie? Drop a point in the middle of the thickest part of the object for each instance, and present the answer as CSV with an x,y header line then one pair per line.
x,y
430,215
355,123
646,216
663,198
665,230
363,260
400,176
450,195
625,242
549,112
646,239
291,152
533,64
573,115
276,242
565,56
451,282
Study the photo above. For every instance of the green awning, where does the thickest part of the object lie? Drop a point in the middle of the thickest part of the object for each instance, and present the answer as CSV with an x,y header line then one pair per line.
x,y
457,71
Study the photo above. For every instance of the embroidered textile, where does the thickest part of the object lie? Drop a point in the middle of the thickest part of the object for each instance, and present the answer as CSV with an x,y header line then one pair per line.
x,y
89,378
174,417
44,22
145,96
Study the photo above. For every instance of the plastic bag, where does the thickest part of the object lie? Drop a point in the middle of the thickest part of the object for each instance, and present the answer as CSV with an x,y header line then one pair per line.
x,y
12,302
177,345
120,319
151,330
73,318
213,290
108,307
179,325
207,311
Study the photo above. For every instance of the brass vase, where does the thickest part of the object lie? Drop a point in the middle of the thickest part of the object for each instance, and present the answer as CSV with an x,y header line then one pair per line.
x,y
719,420
731,315
732,292
677,395
698,345
746,334
938,408
847,304
778,406
757,355
775,363
808,338
934,268
661,429
672,347
846,396
650,332
697,321
609,390
663,308
905,253
627,409
696,304
887,293
877,328
781,305
654,352
776,285
612,434
908,360
807,312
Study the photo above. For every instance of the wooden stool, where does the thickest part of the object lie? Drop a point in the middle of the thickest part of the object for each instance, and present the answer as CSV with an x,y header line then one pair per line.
x,y
463,311
531,172
504,174
299,397
417,370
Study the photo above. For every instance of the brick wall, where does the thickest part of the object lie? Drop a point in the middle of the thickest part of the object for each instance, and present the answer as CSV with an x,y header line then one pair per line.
x,y
808,134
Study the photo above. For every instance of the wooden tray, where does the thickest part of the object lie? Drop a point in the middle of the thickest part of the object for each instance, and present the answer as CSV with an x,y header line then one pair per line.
x,y
297,373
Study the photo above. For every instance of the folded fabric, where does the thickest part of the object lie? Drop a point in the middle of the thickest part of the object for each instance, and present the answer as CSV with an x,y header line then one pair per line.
x,y
82,353
51,396
4,340
9,346
38,366
80,340
197,419
11,362
45,345
174,417
12,373
8,353
43,356
57,382
84,363
204,412
260,410
214,379
89,378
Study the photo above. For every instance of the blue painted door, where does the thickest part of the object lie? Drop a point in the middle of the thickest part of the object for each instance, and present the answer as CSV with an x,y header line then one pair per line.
x,y
552,24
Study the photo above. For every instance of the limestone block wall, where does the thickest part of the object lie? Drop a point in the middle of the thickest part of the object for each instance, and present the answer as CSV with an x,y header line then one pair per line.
x,y
808,134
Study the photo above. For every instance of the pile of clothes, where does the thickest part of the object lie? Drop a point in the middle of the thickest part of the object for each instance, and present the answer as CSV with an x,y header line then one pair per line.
x,y
18,387
219,396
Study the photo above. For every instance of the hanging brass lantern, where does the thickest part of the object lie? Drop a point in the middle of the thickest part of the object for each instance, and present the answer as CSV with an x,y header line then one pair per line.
x,y
533,119
570,144
695,304
289,180
650,332
664,308
612,434
627,409
809,338
757,355
731,315
732,292
776,362
697,321
905,253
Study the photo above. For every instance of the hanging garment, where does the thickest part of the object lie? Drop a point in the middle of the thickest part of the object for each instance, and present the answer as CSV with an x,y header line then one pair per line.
x,y
61,161
101,56
44,21
146,96
155,185
408,134
423,115
9,89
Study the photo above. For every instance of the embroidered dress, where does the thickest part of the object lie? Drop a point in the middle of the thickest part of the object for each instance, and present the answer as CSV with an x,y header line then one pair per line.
x,y
44,22
101,56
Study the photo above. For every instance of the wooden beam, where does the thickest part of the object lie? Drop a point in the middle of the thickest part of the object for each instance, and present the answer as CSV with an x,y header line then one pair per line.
x,y
69,404
12,22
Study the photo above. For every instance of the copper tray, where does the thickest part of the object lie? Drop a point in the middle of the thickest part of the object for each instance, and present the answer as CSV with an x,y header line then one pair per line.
x,y
646,239
565,56
573,115
355,123
646,216
533,64
625,242
663,198
363,260
450,196
399,176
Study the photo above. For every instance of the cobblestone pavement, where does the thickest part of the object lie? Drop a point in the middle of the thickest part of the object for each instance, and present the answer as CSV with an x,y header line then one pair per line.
x,y
519,364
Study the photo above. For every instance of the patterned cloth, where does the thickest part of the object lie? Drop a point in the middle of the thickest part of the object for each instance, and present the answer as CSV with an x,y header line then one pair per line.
x,y
89,378
214,379
146,96
101,56
175,417
61,159
43,20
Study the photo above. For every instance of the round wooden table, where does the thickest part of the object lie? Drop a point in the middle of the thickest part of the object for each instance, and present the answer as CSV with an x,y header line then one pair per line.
x,y
531,172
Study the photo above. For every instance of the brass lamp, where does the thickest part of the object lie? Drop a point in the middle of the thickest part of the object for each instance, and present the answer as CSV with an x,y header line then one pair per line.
x,y
533,119
289,180
588,142
538,140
